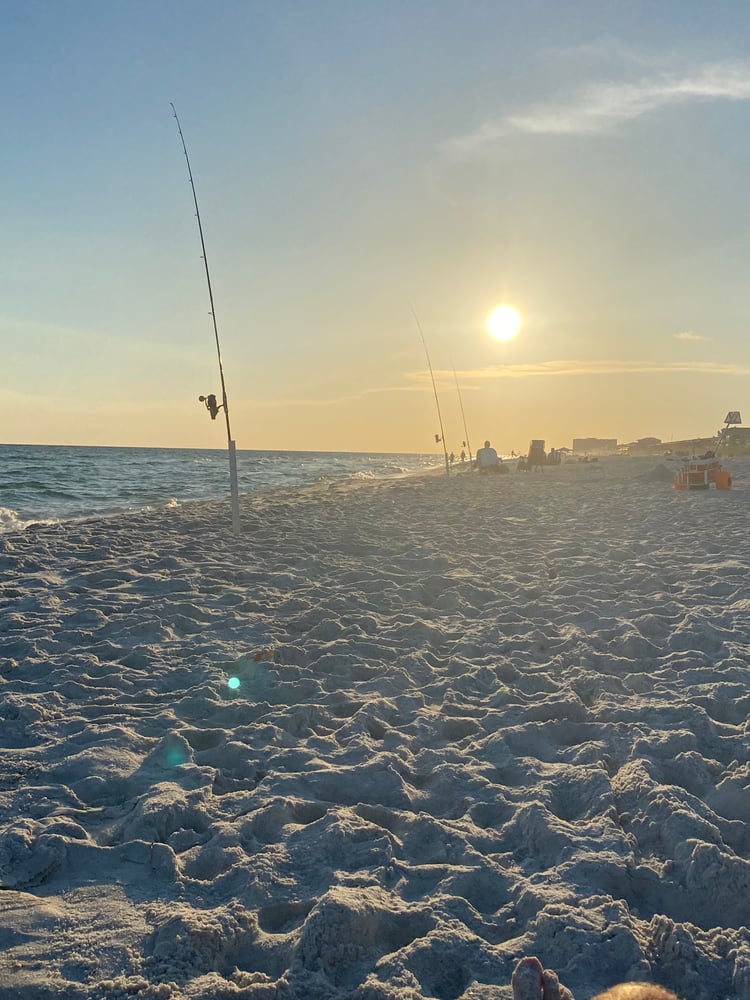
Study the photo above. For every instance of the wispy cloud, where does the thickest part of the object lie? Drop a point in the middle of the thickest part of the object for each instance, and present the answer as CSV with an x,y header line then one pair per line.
x,y
559,369
688,335
64,402
420,380
48,338
602,106
280,403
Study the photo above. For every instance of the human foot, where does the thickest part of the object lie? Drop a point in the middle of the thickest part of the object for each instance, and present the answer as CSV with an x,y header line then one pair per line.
x,y
527,980
533,982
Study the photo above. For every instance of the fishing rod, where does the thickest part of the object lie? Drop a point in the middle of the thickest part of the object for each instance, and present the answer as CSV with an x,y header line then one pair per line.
x,y
210,400
434,389
463,417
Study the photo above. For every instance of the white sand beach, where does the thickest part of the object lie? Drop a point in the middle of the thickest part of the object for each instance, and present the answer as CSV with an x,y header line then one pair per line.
x,y
478,718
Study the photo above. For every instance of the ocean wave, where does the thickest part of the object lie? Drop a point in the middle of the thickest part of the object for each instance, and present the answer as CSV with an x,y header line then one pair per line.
x,y
72,483
36,486
10,520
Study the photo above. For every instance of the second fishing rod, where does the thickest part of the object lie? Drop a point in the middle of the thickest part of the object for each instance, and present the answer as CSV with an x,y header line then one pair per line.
x,y
467,443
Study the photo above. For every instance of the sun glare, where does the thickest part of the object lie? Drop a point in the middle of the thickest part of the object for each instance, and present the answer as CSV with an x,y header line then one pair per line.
x,y
503,323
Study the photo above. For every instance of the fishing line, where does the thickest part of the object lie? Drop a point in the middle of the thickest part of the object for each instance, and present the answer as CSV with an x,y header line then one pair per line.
x,y
463,417
434,388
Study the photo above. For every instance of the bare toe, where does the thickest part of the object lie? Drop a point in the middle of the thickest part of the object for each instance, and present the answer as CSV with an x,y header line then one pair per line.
x,y
527,979
552,988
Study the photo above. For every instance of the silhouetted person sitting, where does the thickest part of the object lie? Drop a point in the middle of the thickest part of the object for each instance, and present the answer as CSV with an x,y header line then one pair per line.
x,y
487,460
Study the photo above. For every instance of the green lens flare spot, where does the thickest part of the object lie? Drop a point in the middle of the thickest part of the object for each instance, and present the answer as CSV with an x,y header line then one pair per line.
x,y
233,683
175,756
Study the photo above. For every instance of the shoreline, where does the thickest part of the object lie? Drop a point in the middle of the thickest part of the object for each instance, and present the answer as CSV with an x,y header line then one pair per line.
x,y
565,469
72,484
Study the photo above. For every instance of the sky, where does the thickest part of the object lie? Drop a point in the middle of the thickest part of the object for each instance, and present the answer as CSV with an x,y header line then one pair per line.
x,y
364,168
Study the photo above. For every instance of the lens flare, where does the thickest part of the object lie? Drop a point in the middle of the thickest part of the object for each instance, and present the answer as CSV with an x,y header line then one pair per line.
x,y
233,683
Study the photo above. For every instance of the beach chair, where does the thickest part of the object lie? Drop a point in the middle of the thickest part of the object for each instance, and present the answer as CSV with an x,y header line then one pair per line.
x,y
537,457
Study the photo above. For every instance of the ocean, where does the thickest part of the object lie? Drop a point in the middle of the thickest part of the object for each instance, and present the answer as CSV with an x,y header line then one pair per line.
x,y
54,483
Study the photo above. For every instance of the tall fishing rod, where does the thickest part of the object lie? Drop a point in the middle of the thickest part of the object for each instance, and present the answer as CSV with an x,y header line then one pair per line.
x,y
463,417
434,389
210,400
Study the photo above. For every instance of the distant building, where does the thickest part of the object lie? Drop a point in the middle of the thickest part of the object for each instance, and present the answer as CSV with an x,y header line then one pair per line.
x,y
643,446
595,446
691,447
733,441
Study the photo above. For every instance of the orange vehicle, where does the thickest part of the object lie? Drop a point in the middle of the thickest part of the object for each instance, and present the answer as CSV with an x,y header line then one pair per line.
x,y
699,476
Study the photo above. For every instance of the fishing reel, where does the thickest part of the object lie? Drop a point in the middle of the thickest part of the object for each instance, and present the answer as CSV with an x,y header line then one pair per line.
x,y
211,405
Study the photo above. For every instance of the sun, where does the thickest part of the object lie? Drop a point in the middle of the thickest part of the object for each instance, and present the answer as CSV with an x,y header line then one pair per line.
x,y
503,323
